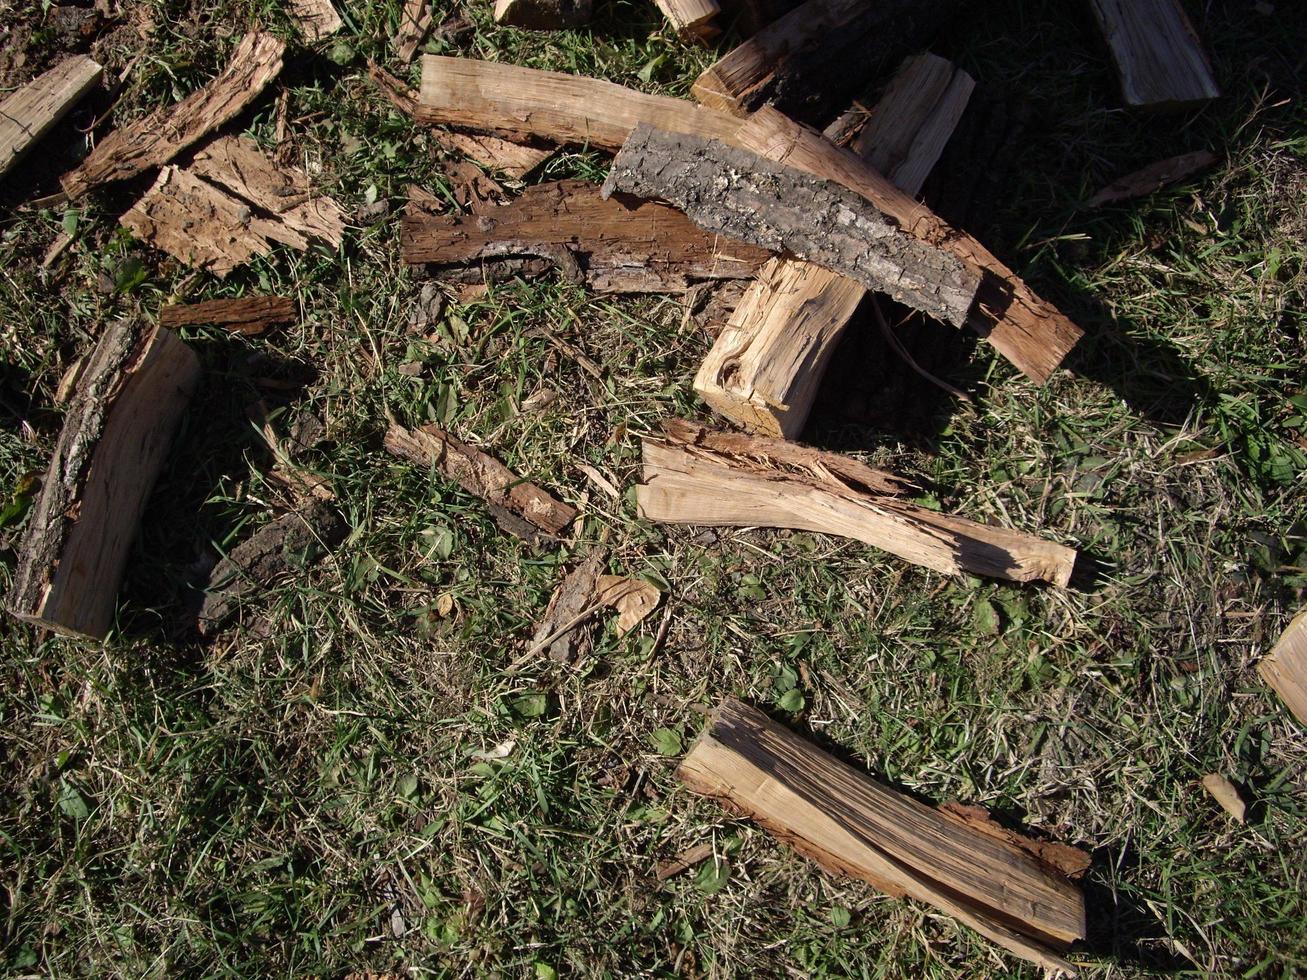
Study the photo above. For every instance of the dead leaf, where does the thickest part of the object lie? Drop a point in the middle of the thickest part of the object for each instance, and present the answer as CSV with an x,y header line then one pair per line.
x,y
633,598
1226,794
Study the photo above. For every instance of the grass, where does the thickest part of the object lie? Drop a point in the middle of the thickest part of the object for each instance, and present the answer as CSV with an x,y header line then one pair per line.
x,y
302,795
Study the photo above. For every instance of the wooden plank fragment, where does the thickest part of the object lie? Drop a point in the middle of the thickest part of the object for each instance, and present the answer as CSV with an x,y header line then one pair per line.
x,y
851,824
316,19
1153,177
692,478
622,246
1159,58
119,428
520,103
742,195
811,61
691,19
543,15
485,477
1227,795
153,140
29,113
414,25
1285,668
248,315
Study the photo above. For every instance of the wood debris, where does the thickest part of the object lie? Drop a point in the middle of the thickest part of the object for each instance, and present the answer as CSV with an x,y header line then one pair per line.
x,y
1285,668
697,476
1159,58
521,508
543,15
511,159
248,315
684,861
744,196
472,190
559,634
617,245
1227,794
1153,177
691,19
316,19
155,139
850,824
119,428
27,114
633,598
414,26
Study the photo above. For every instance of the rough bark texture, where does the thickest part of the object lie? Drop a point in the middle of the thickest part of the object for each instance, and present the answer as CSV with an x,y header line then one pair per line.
x,y
285,546
116,435
543,15
512,159
1153,177
744,196
316,19
1159,58
414,25
811,61
1286,668
688,480
513,501
28,114
851,824
563,633
155,139
247,315
619,246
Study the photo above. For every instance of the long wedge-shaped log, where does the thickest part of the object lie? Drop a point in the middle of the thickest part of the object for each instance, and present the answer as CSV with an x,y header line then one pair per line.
x,y
766,365
749,198
153,140
1159,58
812,60
697,476
117,433
27,114
851,824
621,246
1285,669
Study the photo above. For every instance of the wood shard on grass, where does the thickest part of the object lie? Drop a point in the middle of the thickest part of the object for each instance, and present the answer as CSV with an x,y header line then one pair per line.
x,y
1153,177
543,15
316,19
1285,668
1159,59
248,315
29,113
414,26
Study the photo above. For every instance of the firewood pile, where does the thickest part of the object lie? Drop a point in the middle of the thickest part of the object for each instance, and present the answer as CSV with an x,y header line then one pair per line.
x,y
734,188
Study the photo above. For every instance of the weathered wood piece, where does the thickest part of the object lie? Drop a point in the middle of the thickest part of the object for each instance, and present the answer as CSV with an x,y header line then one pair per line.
x,y
285,546
1159,58
749,198
116,436
316,19
1285,668
1153,177
1227,795
248,315
512,159
29,113
414,26
851,824
512,500
523,102
811,61
153,140
767,364
691,19
543,15
622,246
559,633
693,477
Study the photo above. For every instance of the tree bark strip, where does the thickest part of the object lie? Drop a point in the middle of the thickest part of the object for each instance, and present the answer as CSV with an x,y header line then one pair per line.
x,y
29,113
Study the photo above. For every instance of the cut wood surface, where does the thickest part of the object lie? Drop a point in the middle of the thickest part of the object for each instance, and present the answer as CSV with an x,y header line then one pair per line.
x,y
120,425
524,102
766,366
543,15
1159,58
851,824
153,140
692,478
691,19
511,499
810,61
621,246
1285,669
747,197
1153,177
29,113
316,19
247,315
414,26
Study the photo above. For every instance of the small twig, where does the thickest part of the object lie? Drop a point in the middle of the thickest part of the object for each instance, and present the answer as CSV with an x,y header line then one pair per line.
x,y
892,339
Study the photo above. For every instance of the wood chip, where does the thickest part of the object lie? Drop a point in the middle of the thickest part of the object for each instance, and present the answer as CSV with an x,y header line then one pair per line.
x,y
1153,177
1158,56
684,861
32,111
1285,668
248,315
512,159
1226,793
414,25
633,598
559,634
316,19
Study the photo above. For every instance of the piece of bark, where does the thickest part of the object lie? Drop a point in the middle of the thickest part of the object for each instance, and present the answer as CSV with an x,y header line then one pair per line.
x,y
1027,330
562,634
1153,177
247,315
153,140
1159,59
514,160
851,824
543,15
809,62
691,19
422,201
316,19
1226,793
684,861
286,546
747,197
482,476
414,25
621,245
1285,668
693,476
633,598
116,435
403,98
519,103
29,113
472,190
